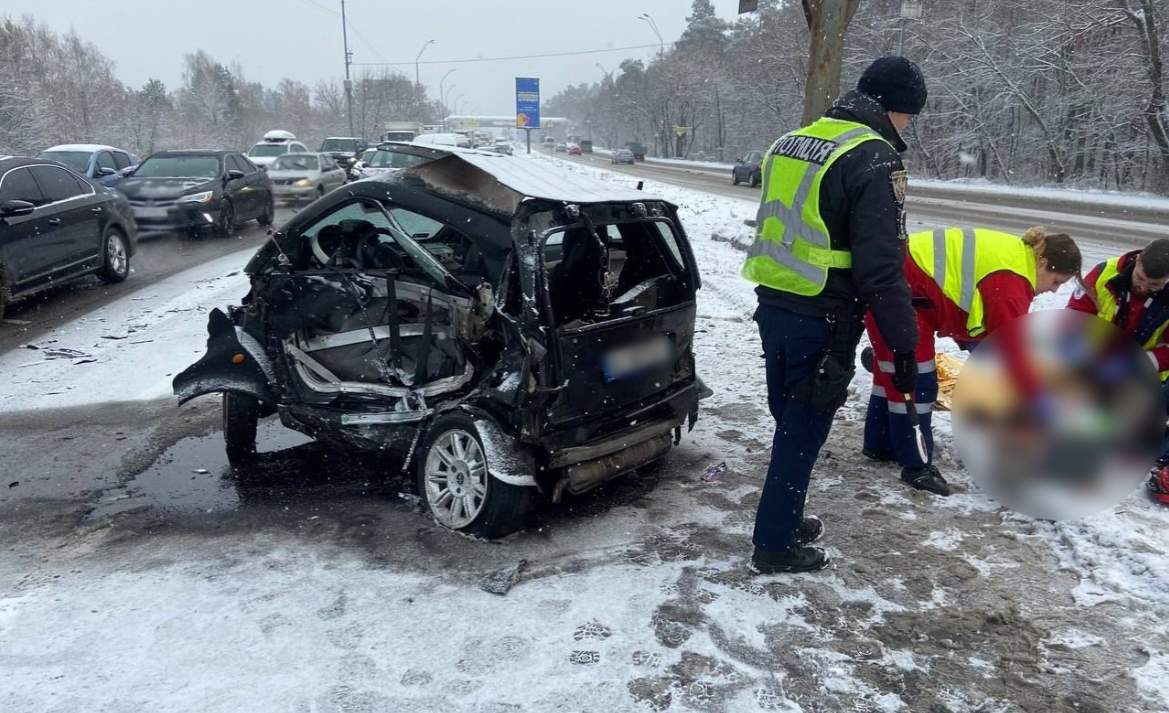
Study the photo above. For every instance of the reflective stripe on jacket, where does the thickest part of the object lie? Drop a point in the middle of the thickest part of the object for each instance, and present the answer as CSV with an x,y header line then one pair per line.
x,y
1150,333
957,259
793,251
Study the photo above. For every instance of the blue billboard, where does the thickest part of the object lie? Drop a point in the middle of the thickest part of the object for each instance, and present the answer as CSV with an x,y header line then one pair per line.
x,y
527,102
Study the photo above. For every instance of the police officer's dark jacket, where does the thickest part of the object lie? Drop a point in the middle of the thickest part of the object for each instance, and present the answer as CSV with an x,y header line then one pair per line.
x,y
865,215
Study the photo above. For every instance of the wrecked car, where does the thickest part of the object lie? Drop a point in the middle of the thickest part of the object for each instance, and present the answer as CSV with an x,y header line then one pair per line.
x,y
502,330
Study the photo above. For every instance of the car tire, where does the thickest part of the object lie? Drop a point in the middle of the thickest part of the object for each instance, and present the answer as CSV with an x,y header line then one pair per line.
x,y
268,214
241,415
451,453
734,178
115,257
756,179
226,225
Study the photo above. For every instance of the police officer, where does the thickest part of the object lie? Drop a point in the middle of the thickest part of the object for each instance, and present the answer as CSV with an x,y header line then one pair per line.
x,y
830,242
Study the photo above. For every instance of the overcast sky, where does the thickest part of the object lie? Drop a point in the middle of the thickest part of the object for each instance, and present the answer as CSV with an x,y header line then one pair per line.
x,y
301,39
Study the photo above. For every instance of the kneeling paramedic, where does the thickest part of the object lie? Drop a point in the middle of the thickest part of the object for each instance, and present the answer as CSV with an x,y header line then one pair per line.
x,y
1132,292
829,243
966,283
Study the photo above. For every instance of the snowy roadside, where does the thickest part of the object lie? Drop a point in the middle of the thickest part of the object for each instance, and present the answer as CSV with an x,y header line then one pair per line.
x,y
634,599
127,350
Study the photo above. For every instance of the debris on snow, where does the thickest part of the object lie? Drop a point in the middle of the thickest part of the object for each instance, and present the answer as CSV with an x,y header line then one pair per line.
x,y
502,580
714,473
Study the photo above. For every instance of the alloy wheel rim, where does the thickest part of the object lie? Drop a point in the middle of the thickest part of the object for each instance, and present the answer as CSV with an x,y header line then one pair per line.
x,y
456,479
116,254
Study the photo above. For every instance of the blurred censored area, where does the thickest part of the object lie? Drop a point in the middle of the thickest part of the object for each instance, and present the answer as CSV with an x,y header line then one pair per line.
x,y
1059,415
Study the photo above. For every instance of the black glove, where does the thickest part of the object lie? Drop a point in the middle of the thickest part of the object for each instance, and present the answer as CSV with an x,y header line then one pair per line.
x,y
905,373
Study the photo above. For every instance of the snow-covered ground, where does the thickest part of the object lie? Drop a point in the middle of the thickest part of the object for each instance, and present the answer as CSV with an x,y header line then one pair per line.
x,y
127,350
634,599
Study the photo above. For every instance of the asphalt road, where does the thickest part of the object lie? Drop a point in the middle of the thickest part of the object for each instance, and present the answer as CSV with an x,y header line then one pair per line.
x,y
1095,227
157,258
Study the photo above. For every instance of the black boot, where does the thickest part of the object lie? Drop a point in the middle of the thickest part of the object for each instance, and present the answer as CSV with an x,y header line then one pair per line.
x,y
927,478
878,456
810,530
796,559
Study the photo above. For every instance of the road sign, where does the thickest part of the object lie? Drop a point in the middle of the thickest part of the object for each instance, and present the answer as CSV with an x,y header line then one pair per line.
x,y
527,102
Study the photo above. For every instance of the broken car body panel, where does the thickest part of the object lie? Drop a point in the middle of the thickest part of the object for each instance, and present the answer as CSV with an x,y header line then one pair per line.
x,y
554,310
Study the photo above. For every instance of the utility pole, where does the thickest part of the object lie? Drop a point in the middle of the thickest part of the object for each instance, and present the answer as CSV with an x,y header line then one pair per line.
x,y
348,60
910,10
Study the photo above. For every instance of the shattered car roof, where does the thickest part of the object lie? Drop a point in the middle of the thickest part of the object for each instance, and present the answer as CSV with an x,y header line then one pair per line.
x,y
503,182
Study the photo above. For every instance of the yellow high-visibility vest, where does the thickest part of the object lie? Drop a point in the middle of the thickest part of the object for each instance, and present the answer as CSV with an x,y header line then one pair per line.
x,y
1107,308
792,251
959,258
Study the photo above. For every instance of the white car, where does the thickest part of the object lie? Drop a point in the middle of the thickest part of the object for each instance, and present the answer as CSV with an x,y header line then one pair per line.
x,y
393,156
304,176
275,143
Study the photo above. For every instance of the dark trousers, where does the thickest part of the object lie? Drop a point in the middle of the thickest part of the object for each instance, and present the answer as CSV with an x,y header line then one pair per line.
x,y
1164,457
793,345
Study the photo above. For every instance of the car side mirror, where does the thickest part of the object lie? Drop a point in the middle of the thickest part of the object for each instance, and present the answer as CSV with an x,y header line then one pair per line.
x,y
128,171
234,173
103,171
15,208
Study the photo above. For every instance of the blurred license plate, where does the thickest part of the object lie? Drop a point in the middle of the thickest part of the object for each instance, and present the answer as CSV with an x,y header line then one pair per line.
x,y
150,213
636,358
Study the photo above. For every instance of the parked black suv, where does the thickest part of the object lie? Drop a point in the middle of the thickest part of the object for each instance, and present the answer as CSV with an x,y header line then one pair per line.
x,y
56,225
198,191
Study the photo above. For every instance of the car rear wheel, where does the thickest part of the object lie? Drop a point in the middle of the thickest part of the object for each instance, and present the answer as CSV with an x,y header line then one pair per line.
x,y
226,225
241,414
268,213
734,178
458,490
115,265
756,179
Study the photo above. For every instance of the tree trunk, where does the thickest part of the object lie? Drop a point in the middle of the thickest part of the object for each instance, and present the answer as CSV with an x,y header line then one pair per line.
x,y
827,23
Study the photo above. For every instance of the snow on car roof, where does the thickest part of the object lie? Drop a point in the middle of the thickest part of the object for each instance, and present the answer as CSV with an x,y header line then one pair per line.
x,y
83,147
504,181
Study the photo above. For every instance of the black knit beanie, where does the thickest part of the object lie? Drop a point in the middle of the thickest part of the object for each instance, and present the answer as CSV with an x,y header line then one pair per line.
x,y
896,83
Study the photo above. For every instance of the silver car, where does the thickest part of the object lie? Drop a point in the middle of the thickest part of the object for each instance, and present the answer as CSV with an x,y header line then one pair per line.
x,y
304,176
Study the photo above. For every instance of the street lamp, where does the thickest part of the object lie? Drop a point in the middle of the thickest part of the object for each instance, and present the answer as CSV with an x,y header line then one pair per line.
x,y
645,17
446,107
442,93
416,75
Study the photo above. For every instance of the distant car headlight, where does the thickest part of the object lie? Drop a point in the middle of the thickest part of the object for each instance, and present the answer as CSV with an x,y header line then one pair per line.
x,y
203,197
301,182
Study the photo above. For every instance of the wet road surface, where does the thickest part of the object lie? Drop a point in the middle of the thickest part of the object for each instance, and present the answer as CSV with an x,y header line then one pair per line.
x,y
157,258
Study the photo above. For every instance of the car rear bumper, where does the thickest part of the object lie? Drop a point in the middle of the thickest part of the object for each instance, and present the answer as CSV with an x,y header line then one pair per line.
x,y
285,193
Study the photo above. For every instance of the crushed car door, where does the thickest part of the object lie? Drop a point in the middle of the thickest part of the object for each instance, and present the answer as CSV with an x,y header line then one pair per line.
x,y
369,316
622,299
